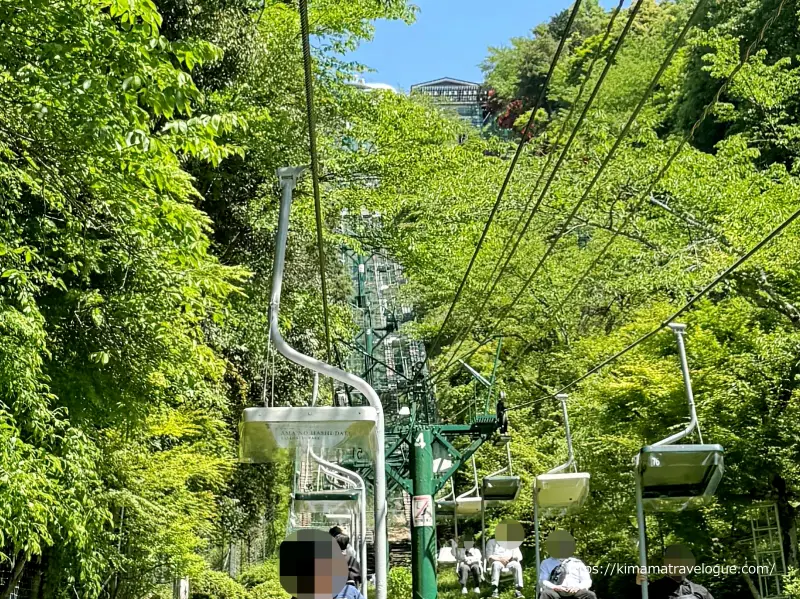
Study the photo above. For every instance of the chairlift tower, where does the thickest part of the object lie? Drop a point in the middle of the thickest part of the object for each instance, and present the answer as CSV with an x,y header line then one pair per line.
x,y
420,453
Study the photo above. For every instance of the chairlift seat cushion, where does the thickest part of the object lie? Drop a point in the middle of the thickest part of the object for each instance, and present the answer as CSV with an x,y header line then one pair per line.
x,y
562,490
679,476
265,432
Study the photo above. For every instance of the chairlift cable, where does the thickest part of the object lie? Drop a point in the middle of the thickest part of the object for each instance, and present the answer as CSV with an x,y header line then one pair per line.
x,y
501,193
623,134
560,305
312,144
487,293
559,137
699,295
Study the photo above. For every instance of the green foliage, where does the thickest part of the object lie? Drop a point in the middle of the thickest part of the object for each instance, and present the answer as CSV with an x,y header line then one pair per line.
x,y
138,147
398,583
791,584
217,585
269,590
265,572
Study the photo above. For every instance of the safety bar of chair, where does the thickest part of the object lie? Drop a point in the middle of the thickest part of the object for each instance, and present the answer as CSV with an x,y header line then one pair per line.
x,y
505,468
315,390
288,178
474,489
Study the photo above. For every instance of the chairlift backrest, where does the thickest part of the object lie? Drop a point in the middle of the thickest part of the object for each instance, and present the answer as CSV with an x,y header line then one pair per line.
x,y
263,432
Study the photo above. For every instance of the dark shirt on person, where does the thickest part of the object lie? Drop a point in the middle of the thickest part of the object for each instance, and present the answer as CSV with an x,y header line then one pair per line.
x,y
669,588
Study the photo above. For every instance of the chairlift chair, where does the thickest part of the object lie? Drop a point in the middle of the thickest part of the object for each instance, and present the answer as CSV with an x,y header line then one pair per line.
x,y
557,490
466,504
269,433
501,485
498,487
675,477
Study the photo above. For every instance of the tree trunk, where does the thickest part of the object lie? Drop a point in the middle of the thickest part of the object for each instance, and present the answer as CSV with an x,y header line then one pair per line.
x,y
36,584
793,558
751,585
16,574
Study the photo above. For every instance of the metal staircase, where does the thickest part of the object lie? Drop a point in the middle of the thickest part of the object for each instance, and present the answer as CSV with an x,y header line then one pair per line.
x,y
392,362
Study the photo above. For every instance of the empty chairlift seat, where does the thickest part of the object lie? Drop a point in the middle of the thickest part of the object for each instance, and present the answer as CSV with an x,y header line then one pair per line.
x,y
500,488
567,490
462,506
677,477
446,555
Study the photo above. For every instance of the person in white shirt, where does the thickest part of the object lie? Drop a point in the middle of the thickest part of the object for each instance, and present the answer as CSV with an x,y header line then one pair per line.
x,y
562,574
503,555
469,561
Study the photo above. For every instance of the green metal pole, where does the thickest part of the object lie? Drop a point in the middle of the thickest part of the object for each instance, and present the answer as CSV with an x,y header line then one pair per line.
x,y
423,531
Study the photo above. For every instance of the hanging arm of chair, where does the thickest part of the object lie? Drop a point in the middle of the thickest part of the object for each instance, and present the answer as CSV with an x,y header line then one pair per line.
x,y
570,456
679,329
506,468
288,180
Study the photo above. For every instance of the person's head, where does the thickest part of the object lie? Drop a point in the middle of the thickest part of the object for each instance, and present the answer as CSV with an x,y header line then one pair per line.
x,y
679,561
335,531
343,540
560,544
509,534
311,565
467,539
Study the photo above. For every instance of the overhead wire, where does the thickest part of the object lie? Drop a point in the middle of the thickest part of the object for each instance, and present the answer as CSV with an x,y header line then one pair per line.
x,y
486,293
312,144
609,156
525,134
563,302
695,298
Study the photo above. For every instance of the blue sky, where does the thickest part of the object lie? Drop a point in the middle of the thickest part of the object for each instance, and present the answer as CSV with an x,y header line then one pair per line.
x,y
450,38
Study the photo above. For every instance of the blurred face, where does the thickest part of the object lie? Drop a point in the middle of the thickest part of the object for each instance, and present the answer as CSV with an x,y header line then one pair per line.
x,y
560,544
509,534
679,561
466,540
311,565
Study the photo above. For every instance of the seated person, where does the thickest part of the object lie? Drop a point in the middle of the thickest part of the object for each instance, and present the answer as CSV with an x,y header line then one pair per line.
x,y
503,555
562,574
353,567
679,561
335,531
311,564
468,561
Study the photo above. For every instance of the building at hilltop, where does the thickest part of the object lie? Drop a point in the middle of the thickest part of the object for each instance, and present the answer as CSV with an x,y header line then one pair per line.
x,y
466,98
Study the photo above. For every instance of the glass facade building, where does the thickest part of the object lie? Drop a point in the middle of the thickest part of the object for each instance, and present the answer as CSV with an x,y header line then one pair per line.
x,y
463,97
